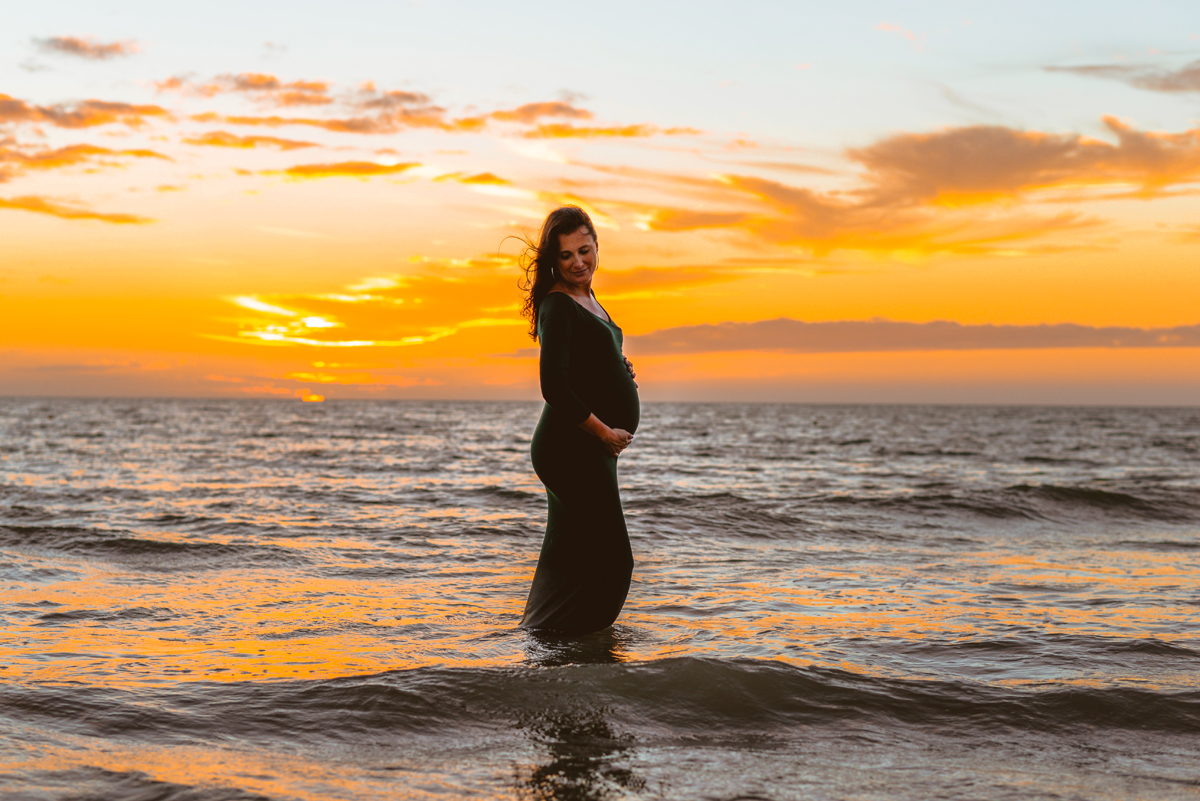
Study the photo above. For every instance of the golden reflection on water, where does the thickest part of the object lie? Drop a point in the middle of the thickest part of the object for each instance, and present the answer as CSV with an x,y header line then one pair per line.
x,y
123,626
412,774
570,750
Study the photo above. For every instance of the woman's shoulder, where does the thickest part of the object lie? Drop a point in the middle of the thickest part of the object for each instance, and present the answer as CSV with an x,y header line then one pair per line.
x,y
555,314
557,296
558,303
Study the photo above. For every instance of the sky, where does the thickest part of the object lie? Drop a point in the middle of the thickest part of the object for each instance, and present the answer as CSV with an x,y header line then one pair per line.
x,y
868,202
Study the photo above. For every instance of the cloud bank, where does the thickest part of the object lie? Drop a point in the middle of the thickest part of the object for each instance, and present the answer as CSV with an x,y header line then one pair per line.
x,y
884,335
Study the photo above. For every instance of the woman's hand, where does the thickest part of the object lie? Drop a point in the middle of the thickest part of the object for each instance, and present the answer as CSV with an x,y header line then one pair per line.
x,y
614,440
629,367
617,440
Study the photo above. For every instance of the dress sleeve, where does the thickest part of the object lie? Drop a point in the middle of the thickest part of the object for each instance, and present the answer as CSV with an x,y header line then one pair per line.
x,y
555,322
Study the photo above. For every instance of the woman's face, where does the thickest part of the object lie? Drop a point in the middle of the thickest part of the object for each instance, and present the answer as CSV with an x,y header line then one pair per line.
x,y
577,258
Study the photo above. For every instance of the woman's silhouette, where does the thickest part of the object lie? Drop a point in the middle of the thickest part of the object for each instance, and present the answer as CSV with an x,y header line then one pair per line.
x,y
590,415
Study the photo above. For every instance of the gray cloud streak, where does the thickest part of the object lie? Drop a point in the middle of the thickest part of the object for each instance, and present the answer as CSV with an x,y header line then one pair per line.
x,y
1156,79
884,335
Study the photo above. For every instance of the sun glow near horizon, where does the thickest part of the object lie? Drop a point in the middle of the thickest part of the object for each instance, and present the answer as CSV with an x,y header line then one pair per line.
x,y
275,217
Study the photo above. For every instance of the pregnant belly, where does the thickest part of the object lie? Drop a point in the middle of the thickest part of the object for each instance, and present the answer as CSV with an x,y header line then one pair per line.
x,y
616,399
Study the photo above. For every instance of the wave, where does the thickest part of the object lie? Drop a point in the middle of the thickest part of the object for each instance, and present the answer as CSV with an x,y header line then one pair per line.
x,y
158,613
728,512
1160,545
672,699
1040,502
146,553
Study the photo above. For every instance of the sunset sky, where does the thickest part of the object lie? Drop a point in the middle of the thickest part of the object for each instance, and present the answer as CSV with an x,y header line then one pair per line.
x,y
865,201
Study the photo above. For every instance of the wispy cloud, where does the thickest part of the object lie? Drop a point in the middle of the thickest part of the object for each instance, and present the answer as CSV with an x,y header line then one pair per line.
x,y
354,125
369,110
480,179
85,114
281,93
1143,76
532,112
260,86
40,205
888,27
885,335
86,47
560,130
348,169
226,139
366,110
17,159
370,97
434,300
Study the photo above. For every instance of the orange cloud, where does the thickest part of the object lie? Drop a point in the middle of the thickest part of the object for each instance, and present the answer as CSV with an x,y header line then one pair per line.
x,y
360,125
370,97
40,205
986,162
937,192
263,87
66,156
437,300
270,88
483,178
86,47
85,114
381,124
561,130
391,111
356,125
827,222
353,169
225,139
394,110
532,112
176,83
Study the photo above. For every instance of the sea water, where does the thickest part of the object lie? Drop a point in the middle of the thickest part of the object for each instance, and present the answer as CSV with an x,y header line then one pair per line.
x,y
260,599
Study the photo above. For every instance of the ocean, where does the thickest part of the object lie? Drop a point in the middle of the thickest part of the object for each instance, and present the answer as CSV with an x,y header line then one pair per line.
x,y
244,599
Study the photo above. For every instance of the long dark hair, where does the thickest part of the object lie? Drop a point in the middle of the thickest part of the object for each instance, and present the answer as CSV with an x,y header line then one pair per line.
x,y
539,260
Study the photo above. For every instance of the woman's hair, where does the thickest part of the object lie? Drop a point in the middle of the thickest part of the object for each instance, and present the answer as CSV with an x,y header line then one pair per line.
x,y
539,260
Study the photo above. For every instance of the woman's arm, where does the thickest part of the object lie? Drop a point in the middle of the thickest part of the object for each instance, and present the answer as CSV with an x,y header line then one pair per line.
x,y
615,440
555,320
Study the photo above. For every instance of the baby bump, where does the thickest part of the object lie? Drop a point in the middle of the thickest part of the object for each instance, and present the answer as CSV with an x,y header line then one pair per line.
x,y
615,398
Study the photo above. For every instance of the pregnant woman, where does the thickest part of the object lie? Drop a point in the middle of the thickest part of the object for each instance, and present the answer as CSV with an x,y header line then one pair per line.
x,y
590,415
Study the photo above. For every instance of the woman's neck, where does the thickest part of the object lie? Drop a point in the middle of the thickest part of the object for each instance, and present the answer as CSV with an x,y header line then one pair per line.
x,y
572,289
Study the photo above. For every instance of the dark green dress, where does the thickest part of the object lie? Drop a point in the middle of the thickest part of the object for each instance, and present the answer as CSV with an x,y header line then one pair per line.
x,y
584,569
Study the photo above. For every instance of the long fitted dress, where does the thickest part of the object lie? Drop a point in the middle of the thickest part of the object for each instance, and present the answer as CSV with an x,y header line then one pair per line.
x,y
585,565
